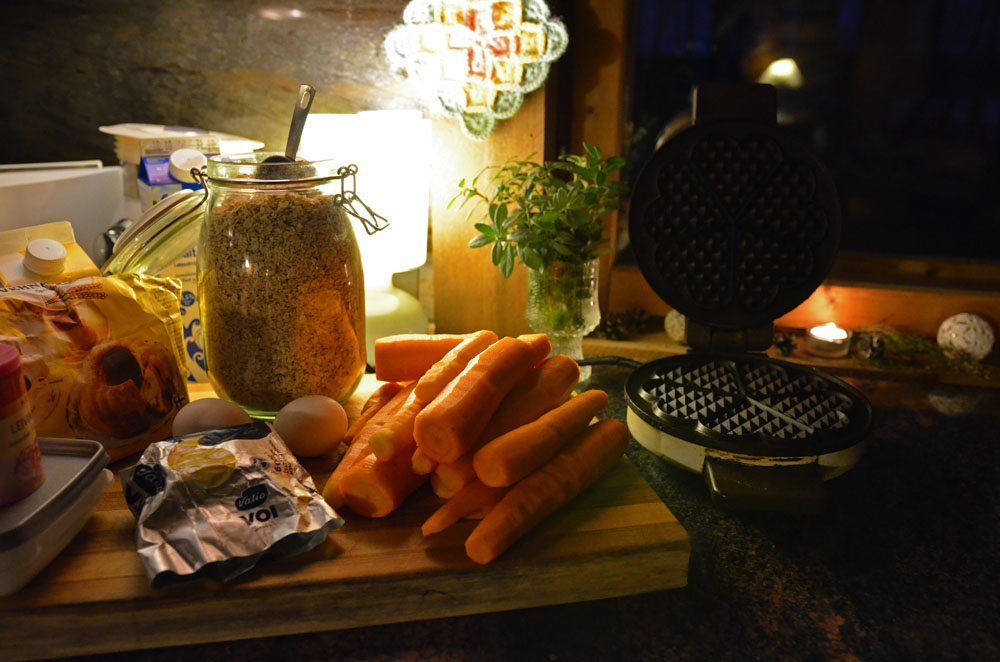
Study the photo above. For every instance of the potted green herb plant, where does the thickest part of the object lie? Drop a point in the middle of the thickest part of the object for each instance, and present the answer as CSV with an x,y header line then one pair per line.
x,y
549,216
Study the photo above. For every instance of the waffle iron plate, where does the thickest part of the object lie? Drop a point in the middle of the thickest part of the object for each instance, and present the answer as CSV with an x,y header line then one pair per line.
x,y
747,405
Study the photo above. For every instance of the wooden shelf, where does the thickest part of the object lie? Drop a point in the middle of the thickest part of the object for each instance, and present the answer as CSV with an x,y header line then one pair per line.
x,y
655,345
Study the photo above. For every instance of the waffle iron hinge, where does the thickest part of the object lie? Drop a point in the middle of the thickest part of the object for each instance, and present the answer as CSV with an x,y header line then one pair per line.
x,y
706,337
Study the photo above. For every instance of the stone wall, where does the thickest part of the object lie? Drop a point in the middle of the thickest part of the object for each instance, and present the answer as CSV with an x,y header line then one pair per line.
x,y
69,67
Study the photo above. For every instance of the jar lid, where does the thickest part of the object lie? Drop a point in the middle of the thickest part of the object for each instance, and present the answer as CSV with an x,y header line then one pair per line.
x,y
183,161
160,236
46,257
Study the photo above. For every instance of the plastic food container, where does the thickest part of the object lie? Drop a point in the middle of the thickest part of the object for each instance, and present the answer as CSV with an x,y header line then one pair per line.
x,y
34,530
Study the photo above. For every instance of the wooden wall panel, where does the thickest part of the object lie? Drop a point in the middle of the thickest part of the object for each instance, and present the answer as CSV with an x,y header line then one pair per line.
x,y
469,292
599,51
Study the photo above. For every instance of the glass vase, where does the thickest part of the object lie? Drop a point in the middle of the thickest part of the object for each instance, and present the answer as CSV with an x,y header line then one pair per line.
x,y
562,302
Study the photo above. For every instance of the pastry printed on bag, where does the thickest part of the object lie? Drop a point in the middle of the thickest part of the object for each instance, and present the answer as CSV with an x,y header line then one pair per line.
x,y
126,388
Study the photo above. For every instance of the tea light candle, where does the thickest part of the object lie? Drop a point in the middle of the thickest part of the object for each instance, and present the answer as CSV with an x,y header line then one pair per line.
x,y
828,340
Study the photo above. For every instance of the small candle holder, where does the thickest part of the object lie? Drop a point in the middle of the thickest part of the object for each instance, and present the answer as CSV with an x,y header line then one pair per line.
x,y
828,341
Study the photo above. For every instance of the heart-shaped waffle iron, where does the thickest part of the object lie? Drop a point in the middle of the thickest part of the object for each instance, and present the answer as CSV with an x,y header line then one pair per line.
x,y
734,223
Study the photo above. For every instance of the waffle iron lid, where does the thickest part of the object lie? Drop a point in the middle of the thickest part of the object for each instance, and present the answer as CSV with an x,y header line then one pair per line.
x,y
733,221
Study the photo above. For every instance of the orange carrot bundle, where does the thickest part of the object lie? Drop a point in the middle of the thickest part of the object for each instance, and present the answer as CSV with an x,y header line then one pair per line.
x,y
448,427
547,387
474,500
372,488
405,357
529,502
398,430
359,446
512,456
382,395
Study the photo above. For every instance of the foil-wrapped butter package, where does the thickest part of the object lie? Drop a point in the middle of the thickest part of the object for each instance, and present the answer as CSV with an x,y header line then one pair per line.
x,y
213,504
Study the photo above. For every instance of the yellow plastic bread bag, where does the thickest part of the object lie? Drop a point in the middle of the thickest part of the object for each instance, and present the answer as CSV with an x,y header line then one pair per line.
x,y
101,357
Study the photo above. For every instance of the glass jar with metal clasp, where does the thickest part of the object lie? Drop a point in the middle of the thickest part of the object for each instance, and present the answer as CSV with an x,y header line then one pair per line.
x,y
280,287
280,281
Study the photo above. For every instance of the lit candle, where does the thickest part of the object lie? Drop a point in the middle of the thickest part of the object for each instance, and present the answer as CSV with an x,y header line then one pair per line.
x,y
828,340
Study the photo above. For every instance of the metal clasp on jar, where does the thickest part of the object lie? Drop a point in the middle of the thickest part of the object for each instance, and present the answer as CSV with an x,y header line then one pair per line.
x,y
347,198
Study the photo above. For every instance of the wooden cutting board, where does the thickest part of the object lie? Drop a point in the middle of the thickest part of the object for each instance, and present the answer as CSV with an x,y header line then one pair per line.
x,y
615,539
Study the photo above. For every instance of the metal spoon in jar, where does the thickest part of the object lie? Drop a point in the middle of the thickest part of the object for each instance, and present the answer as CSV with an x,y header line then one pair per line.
x,y
302,105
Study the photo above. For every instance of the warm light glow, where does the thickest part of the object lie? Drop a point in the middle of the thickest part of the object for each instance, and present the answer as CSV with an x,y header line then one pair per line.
x,y
829,332
783,72
392,151
280,13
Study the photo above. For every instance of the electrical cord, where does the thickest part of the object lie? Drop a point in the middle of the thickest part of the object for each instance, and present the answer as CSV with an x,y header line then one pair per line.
x,y
619,361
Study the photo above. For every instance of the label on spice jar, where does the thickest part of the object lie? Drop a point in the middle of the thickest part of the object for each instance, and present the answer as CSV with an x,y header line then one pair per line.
x,y
20,460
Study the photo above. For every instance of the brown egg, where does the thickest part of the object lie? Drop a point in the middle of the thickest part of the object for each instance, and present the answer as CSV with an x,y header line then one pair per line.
x,y
311,425
208,414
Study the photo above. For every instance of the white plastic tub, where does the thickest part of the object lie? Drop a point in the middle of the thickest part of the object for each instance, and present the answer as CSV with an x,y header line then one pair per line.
x,y
34,530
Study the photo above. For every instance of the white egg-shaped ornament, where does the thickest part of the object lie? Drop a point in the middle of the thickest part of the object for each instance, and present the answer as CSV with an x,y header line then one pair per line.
x,y
966,333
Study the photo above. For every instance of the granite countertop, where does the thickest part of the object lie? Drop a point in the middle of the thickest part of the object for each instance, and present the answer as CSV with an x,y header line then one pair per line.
x,y
901,566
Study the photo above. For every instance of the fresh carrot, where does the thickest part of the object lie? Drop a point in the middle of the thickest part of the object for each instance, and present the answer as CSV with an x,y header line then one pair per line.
x,y
442,490
453,476
538,392
512,456
452,364
398,430
372,488
539,344
526,504
448,427
472,500
405,357
359,447
421,463
547,387
373,404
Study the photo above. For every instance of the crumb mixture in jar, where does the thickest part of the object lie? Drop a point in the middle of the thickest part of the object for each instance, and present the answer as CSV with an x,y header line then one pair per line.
x,y
282,299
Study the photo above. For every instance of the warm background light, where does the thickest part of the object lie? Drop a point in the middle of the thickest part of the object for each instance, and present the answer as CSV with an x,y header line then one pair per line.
x,y
391,149
829,331
783,72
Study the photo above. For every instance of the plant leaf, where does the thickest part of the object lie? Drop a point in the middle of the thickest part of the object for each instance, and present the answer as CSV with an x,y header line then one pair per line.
x,y
507,262
531,258
480,240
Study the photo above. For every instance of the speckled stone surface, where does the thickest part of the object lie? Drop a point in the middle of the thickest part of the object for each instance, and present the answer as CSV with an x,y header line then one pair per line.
x,y
901,566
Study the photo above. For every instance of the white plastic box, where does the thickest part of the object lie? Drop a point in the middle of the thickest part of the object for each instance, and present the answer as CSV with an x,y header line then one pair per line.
x,y
34,530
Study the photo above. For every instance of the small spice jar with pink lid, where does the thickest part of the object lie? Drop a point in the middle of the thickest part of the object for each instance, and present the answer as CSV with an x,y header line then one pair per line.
x,y
20,460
